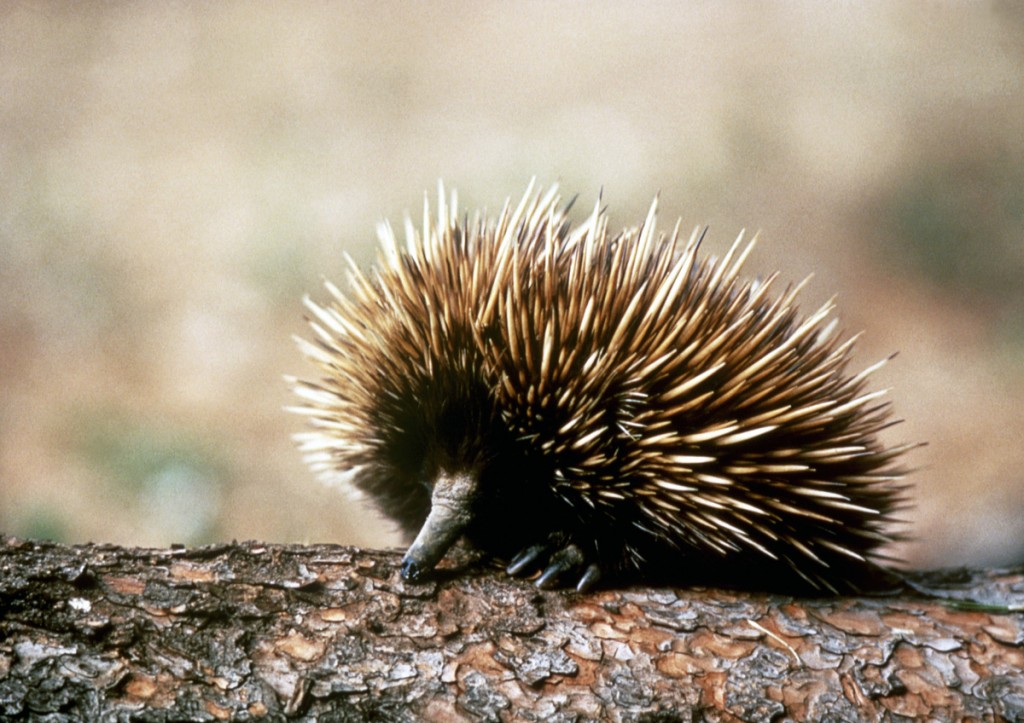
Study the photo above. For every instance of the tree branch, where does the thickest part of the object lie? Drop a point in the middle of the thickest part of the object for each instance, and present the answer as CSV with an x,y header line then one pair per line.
x,y
254,631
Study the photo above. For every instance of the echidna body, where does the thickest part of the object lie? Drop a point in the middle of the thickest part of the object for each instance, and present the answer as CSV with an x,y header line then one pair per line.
x,y
599,407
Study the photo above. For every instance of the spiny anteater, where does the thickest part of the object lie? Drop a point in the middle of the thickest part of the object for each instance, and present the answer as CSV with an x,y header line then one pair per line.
x,y
594,406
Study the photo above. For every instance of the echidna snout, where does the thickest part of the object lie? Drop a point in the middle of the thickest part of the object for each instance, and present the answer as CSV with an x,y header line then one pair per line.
x,y
589,406
450,514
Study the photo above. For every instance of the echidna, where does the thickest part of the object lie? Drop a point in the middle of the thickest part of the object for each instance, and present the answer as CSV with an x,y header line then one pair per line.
x,y
594,407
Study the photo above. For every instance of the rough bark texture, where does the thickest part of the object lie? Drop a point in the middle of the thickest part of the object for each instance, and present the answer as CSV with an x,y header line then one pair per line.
x,y
255,631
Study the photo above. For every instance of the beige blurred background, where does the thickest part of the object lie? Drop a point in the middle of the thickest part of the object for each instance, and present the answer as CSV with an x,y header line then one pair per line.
x,y
175,176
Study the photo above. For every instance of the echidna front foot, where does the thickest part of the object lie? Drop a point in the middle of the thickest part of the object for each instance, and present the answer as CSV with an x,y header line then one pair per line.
x,y
560,560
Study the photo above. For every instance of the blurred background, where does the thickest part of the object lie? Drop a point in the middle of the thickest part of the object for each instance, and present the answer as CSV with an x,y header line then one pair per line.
x,y
175,176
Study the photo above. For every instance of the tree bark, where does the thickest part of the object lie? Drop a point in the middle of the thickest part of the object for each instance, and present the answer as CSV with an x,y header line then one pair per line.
x,y
252,631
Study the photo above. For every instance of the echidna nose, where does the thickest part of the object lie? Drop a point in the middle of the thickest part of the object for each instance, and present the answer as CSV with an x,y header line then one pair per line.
x,y
411,571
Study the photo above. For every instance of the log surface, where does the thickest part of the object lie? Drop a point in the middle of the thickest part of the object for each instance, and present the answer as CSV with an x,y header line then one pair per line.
x,y
252,631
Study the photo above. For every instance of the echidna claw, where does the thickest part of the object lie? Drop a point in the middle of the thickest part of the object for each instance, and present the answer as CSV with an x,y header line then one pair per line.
x,y
549,578
589,578
523,562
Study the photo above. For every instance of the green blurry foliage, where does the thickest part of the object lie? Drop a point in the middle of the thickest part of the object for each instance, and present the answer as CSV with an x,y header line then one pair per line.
x,y
167,475
960,223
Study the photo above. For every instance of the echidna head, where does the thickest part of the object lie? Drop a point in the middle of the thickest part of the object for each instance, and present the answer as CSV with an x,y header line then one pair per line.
x,y
439,442
406,408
